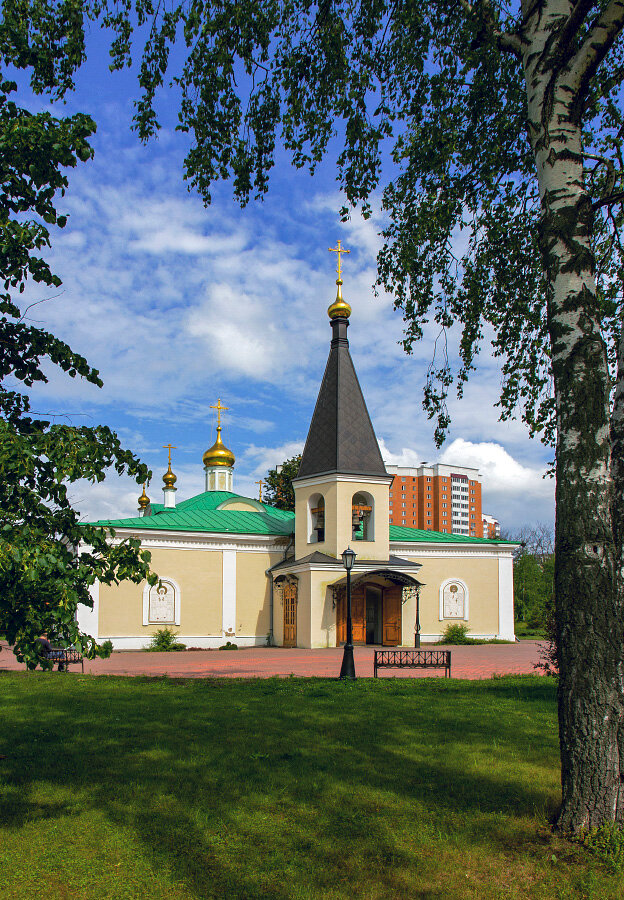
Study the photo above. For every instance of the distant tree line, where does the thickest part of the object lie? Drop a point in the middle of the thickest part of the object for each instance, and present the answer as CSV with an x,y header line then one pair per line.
x,y
534,571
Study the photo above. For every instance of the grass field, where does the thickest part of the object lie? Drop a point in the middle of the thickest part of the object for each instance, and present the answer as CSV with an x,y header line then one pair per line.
x,y
525,632
162,788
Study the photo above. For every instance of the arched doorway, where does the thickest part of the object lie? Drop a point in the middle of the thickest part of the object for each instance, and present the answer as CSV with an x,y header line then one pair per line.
x,y
376,608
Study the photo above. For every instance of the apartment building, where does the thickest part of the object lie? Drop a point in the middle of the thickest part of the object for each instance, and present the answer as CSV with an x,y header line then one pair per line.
x,y
491,527
437,498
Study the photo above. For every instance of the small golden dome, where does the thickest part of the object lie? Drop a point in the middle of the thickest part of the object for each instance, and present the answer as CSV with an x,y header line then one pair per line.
x,y
218,454
169,478
339,307
144,500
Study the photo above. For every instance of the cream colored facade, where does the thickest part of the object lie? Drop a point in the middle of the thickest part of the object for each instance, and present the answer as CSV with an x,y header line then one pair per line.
x,y
222,593
224,589
337,492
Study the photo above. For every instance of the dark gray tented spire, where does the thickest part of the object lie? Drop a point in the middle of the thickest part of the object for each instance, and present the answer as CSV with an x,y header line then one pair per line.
x,y
341,437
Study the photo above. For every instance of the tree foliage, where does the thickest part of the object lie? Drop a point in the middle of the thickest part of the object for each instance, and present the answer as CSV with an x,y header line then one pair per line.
x,y
48,558
501,128
534,569
278,489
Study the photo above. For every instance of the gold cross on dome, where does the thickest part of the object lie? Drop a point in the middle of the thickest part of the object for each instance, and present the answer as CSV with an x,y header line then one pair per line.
x,y
339,249
261,483
171,447
219,410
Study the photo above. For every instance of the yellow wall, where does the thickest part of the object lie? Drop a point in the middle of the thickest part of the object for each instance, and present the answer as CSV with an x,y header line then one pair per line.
x,y
338,528
199,576
253,592
323,617
481,577
242,505
303,609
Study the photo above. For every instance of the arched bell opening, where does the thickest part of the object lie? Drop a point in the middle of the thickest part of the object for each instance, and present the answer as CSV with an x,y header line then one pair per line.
x,y
316,519
362,517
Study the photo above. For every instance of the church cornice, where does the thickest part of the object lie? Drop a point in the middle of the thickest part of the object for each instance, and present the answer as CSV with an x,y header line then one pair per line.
x,y
332,477
176,541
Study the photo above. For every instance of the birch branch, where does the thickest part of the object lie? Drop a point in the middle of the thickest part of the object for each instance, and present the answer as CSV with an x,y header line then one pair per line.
x,y
595,47
506,41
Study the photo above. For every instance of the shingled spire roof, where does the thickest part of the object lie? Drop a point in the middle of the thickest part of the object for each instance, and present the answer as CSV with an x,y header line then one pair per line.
x,y
341,437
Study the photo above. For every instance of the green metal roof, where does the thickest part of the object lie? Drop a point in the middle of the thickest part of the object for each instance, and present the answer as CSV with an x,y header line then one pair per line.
x,y
401,533
201,513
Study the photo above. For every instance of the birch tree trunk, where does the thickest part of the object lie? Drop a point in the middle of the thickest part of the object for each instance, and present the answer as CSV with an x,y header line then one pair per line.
x,y
588,584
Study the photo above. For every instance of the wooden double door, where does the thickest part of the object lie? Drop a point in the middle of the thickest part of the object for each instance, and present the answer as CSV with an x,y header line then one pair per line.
x,y
375,615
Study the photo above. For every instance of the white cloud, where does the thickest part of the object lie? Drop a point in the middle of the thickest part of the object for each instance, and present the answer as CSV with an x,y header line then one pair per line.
x,y
501,471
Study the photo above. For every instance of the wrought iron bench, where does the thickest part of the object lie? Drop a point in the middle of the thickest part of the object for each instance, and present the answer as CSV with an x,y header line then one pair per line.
x,y
413,659
65,658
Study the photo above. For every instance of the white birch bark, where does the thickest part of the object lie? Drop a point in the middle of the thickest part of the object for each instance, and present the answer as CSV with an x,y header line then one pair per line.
x,y
590,630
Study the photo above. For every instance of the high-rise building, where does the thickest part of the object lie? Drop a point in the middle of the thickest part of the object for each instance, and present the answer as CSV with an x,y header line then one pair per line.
x,y
491,527
437,497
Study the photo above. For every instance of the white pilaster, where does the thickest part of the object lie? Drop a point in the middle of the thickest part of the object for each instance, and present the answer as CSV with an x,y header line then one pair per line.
x,y
505,598
229,593
88,619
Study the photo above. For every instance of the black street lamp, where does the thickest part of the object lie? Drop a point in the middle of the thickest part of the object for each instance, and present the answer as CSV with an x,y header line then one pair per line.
x,y
347,670
417,635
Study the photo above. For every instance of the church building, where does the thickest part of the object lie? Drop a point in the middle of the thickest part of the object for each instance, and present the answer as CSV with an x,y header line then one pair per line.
x,y
232,568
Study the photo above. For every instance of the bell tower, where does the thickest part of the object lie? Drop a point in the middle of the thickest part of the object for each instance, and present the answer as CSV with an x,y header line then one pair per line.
x,y
342,487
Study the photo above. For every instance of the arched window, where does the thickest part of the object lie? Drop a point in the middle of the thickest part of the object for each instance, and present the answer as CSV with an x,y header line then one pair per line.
x,y
316,519
362,517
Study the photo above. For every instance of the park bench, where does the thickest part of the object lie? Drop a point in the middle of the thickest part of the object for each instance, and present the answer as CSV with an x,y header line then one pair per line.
x,y
413,659
65,658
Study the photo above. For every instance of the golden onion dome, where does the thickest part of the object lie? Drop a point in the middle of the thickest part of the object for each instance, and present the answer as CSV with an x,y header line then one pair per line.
x,y
144,500
218,454
339,307
169,478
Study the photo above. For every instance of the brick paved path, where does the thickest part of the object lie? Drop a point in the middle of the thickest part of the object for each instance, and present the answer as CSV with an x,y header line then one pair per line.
x,y
480,661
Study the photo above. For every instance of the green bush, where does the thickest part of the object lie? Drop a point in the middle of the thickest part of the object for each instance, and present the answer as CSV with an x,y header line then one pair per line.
x,y
228,646
456,634
165,640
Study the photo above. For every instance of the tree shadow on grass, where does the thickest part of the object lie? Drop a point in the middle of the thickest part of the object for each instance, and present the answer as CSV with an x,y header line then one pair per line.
x,y
292,788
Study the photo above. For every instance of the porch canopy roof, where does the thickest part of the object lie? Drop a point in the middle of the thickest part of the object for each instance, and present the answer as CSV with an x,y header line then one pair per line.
x,y
395,569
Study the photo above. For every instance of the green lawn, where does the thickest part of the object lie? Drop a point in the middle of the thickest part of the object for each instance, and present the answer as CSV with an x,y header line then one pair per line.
x,y
161,788
525,632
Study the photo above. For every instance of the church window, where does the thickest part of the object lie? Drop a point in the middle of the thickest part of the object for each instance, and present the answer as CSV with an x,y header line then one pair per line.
x,y
362,516
316,519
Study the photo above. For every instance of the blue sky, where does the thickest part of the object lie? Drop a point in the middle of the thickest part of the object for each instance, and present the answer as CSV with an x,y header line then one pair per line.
x,y
177,304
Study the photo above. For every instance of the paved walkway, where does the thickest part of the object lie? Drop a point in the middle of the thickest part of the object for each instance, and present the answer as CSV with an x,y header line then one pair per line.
x,y
477,661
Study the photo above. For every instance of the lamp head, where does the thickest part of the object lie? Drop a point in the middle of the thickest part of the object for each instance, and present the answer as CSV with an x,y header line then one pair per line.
x,y
348,558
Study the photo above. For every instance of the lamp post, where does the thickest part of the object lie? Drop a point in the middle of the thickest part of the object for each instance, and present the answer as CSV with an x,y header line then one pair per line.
x,y
417,635
347,670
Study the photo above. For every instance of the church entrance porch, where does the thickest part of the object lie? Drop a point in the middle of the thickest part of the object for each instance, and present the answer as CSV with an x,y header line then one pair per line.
x,y
375,613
